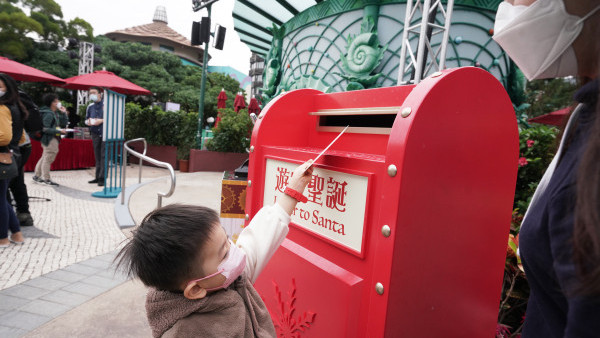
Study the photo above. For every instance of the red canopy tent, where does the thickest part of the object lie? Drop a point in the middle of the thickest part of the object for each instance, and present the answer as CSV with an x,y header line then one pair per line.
x,y
105,79
221,103
254,107
21,72
239,102
556,118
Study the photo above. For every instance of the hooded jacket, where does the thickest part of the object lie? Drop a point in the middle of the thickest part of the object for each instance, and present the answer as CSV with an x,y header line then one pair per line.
x,y
237,311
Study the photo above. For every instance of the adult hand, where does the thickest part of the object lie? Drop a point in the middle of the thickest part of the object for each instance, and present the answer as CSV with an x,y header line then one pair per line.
x,y
64,110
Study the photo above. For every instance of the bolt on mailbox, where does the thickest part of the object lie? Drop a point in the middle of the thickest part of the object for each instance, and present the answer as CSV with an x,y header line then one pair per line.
x,y
405,230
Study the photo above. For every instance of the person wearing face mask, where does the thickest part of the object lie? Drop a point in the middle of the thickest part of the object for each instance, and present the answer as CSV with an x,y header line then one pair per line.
x,y
94,117
560,234
200,282
12,115
54,120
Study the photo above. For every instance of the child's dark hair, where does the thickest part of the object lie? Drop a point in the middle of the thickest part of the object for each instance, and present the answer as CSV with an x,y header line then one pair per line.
x,y
164,250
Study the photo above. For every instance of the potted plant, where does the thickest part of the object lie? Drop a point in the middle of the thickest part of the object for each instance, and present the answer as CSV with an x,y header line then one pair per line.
x,y
183,157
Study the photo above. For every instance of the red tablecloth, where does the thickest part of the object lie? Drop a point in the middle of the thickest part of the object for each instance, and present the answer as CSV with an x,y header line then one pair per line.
x,y
72,154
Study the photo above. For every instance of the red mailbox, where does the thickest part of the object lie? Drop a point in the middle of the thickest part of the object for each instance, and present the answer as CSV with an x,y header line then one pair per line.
x,y
405,230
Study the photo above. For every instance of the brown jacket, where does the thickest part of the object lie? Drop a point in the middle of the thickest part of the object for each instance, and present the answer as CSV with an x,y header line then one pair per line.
x,y
237,311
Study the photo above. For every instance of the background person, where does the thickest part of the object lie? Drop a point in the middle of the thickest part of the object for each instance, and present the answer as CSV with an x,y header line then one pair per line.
x,y
18,188
12,115
54,119
94,117
560,235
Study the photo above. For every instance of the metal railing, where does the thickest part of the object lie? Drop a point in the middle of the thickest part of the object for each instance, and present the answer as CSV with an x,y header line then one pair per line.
x,y
142,157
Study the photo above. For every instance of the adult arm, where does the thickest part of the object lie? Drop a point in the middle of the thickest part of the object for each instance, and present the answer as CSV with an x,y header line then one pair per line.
x,y
5,126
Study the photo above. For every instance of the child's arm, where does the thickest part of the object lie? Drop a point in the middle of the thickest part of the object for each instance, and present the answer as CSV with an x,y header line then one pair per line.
x,y
267,230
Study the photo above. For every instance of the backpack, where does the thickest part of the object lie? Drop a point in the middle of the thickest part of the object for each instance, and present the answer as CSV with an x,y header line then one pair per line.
x,y
33,124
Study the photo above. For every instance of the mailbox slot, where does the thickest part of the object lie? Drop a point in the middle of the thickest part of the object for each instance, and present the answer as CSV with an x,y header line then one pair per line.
x,y
376,120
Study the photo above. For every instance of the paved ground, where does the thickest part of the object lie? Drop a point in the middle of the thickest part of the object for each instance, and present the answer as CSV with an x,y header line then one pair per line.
x,y
61,283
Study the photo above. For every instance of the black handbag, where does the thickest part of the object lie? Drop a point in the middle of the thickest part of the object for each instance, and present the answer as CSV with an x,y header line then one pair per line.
x,y
8,166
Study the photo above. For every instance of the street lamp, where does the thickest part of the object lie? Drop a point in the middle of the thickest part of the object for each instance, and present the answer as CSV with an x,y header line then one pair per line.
x,y
204,37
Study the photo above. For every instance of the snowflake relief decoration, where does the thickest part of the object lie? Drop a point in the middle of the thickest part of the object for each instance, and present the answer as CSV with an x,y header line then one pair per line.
x,y
286,325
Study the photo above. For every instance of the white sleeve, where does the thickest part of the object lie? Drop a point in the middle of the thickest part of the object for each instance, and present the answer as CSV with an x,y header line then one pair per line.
x,y
261,238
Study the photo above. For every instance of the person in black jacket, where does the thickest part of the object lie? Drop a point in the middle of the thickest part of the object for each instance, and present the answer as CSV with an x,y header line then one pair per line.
x,y
12,115
94,117
560,234
17,186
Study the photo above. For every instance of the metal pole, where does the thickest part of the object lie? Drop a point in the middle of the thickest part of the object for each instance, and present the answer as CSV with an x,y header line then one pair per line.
x,y
405,42
202,89
449,8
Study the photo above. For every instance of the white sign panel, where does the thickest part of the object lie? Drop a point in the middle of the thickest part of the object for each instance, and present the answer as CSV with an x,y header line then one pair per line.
x,y
114,116
336,202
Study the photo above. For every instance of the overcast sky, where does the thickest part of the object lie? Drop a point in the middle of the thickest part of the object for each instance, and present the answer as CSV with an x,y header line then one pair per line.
x,y
110,15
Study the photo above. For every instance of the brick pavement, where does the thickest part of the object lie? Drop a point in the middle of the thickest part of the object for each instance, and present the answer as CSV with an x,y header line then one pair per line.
x,y
62,282
70,227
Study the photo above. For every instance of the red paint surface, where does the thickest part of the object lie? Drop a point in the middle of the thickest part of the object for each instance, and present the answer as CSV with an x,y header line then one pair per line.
x,y
449,209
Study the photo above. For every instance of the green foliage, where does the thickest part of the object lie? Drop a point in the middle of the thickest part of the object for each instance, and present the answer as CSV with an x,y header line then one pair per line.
x,y
80,29
158,127
231,134
165,76
537,148
15,25
546,96
44,24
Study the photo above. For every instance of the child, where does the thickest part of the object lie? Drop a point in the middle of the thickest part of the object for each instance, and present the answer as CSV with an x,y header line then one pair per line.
x,y
200,282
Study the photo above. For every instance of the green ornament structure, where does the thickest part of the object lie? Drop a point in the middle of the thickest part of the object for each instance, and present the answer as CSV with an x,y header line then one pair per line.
x,y
272,73
363,53
342,45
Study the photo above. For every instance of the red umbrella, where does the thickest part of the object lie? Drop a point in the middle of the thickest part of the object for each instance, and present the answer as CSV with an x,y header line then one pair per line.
x,y
21,72
254,107
221,103
222,99
239,102
105,79
556,118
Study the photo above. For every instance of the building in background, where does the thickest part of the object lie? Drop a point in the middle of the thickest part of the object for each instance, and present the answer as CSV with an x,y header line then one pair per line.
x,y
257,66
161,37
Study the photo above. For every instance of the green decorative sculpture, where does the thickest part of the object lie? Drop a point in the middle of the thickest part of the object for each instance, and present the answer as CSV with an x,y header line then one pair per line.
x,y
272,74
363,53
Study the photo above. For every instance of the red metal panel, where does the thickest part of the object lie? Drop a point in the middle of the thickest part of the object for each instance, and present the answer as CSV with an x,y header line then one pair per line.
x,y
448,208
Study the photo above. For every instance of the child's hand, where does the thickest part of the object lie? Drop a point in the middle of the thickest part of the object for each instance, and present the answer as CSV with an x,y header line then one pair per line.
x,y
301,176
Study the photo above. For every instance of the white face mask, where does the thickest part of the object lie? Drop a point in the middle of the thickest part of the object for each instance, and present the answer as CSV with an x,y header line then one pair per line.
x,y
539,37
94,97
59,105
2,93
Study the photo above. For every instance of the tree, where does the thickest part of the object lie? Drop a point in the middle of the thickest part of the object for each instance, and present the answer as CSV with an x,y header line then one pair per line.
x,y
45,21
14,27
165,76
